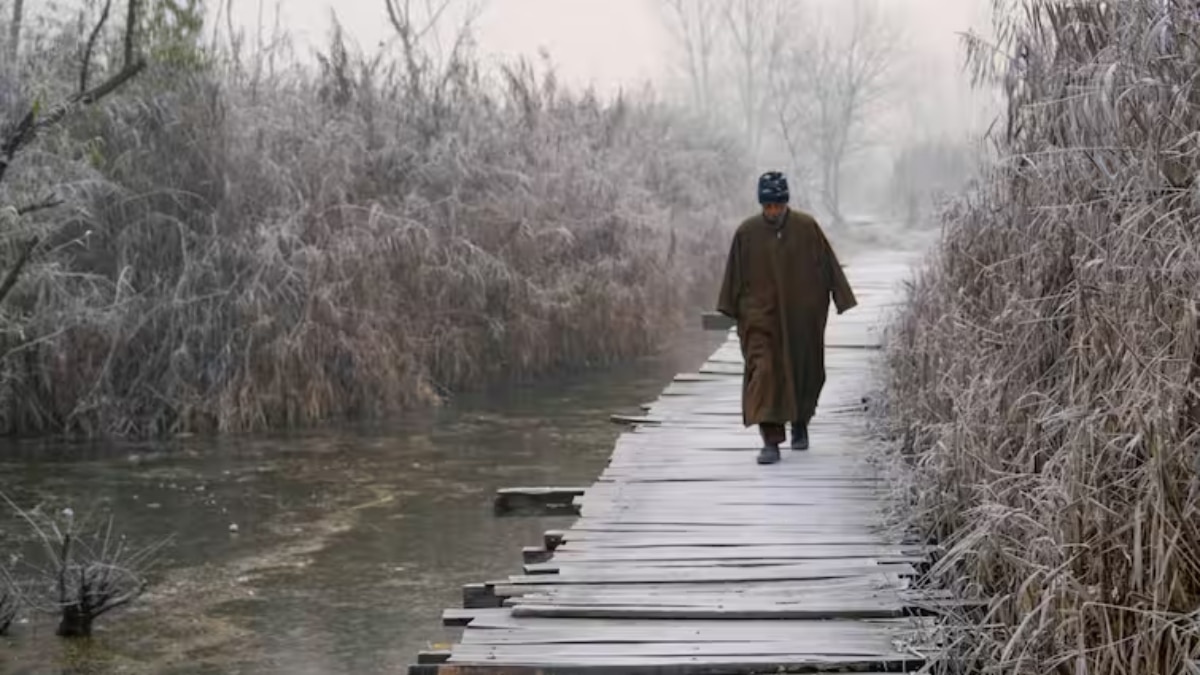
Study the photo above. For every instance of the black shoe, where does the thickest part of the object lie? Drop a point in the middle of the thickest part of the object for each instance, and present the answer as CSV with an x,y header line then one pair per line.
x,y
800,438
769,455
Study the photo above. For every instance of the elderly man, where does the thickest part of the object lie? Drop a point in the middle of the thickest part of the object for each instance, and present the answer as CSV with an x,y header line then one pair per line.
x,y
779,278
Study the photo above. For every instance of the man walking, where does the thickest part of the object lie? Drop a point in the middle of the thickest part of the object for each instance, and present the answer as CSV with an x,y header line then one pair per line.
x,y
779,278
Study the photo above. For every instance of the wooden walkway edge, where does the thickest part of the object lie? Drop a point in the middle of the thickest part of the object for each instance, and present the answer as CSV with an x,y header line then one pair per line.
x,y
687,557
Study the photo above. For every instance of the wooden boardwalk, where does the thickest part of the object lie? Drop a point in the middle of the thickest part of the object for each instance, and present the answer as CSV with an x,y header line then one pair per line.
x,y
688,557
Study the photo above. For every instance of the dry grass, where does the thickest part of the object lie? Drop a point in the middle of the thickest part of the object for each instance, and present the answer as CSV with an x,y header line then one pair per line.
x,y
1044,372
249,251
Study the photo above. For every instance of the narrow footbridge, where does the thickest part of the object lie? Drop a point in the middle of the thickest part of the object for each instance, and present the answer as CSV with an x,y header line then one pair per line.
x,y
687,557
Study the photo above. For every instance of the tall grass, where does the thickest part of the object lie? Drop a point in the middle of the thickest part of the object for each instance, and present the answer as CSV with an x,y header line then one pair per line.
x,y
1044,371
251,250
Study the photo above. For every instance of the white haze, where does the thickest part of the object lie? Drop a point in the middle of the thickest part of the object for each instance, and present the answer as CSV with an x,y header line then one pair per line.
x,y
623,44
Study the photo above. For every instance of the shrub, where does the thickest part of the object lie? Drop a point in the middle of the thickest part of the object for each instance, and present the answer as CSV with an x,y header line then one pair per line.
x,y
247,250
1044,371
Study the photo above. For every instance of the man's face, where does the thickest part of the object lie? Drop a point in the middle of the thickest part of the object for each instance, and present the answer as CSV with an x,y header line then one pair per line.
x,y
773,212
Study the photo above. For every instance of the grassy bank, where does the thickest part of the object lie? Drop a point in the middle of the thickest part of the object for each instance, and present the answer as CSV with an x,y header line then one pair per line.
x,y
1044,373
244,250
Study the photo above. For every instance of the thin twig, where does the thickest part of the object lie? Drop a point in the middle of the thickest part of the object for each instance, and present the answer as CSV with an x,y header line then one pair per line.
x,y
85,67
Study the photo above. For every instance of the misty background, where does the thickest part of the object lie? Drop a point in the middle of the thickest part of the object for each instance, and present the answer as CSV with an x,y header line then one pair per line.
x,y
634,46
922,101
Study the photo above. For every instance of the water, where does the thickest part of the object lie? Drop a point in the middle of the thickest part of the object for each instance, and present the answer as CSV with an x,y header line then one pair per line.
x,y
349,543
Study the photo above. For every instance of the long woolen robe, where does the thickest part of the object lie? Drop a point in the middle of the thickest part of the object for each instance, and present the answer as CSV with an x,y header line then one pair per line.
x,y
777,286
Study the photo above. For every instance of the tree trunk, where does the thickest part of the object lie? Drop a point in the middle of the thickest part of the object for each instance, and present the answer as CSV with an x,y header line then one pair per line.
x,y
14,32
76,622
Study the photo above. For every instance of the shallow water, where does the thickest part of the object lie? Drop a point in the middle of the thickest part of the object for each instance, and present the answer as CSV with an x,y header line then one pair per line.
x,y
349,542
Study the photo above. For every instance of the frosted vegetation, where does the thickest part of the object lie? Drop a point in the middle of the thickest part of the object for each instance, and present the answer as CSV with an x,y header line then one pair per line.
x,y
1044,374
240,243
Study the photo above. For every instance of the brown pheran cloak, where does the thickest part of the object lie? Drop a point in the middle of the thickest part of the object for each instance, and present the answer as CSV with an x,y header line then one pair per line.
x,y
777,286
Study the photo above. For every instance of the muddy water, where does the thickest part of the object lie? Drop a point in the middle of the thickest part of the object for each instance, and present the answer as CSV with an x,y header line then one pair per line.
x,y
349,543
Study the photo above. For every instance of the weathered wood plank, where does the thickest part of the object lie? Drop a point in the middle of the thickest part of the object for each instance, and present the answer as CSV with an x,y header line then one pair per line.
x,y
777,588
632,661
627,574
433,657
567,567
716,321
536,500
581,553
477,596
658,667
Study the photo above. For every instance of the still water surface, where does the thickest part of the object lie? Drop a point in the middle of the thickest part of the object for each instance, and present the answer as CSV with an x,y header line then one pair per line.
x,y
349,543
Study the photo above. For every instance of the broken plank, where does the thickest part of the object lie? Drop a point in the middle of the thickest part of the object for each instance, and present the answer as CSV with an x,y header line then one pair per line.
x,y
536,500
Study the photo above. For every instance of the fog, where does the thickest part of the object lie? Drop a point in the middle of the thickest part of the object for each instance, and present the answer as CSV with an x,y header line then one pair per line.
x,y
615,45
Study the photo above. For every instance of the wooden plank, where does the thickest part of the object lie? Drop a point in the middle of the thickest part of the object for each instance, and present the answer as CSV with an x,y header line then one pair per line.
x,y
601,540
633,419
536,554
849,657
716,321
671,534
720,598
718,557
552,539
778,588
654,575
568,567
583,552
535,500
641,668
869,637
732,613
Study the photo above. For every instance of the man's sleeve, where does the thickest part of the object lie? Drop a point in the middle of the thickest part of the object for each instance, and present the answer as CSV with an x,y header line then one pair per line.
x,y
731,285
839,286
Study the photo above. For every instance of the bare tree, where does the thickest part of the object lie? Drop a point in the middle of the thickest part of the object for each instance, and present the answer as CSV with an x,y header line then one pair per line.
x,y
19,135
696,27
729,49
833,84
759,32
86,574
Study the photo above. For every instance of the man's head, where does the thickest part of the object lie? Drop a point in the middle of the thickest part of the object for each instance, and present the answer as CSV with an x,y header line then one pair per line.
x,y
773,195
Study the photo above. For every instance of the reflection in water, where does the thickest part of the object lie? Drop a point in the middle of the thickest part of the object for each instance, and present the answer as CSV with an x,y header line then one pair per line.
x,y
349,543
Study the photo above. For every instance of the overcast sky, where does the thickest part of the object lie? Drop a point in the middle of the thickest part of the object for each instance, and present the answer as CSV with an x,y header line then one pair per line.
x,y
608,43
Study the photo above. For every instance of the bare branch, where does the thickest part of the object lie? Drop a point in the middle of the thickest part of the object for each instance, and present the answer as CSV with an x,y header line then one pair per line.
x,y
85,67
31,125
131,23
47,203
696,25
834,81
14,31
14,272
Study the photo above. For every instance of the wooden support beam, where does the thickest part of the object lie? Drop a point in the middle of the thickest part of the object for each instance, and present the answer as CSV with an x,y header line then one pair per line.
x,y
457,618
633,419
539,501
432,657
480,596
716,321
532,555
554,538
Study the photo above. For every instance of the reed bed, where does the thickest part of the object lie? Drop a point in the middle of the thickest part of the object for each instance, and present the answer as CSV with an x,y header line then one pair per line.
x,y
245,250
1042,378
